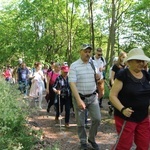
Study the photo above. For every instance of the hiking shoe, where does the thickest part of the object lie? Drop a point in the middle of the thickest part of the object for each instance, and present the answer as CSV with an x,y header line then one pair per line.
x,y
83,146
87,127
48,110
56,119
67,125
94,145
40,107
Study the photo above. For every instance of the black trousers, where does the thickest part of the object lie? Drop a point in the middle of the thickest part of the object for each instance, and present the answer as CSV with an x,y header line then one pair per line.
x,y
64,101
51,96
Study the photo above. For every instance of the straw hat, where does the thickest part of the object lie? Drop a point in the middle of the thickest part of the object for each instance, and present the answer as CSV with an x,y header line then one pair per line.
x,y
137,54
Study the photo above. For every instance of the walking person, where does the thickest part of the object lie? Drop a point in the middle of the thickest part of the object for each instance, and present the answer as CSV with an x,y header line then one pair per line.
x,y
7,73
117,66
82,78
62,89
130,95
101,63
23,75
37,86
51,77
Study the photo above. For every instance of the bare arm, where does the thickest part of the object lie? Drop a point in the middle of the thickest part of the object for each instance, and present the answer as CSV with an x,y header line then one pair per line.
x,y
113,96
47,84
79,101
112,75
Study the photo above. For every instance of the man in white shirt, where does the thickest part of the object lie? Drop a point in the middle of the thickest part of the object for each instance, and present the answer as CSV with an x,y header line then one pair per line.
x,y
101,63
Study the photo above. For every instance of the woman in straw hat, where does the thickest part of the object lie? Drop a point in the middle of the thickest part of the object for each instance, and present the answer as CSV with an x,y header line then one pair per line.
x,y
130,95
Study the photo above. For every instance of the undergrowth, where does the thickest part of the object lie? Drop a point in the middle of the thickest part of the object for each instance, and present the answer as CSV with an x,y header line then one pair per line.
x,y
14,133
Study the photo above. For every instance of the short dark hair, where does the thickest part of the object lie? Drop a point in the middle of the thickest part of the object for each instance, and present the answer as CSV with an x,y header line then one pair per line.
x,y
99,49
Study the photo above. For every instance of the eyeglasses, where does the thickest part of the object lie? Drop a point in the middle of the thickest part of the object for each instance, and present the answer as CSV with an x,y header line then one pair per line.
x,y
139,61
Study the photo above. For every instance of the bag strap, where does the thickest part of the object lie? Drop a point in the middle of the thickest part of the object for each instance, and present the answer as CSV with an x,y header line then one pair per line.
x,y
93,67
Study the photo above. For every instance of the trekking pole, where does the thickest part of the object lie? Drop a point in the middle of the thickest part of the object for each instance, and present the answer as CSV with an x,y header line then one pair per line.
x,y
123,126
59,111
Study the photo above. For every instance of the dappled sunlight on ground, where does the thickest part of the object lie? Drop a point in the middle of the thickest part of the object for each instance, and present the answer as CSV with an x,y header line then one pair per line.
x,y
56,136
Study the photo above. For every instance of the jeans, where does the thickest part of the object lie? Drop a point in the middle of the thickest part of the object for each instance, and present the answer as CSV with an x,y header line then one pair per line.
x,y
23,87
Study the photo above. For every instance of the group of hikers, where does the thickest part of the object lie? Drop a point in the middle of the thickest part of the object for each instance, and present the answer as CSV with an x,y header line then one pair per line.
x,y
80,86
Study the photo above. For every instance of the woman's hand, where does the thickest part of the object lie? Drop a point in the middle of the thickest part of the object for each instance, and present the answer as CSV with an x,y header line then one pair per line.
x,y
127,112
47,91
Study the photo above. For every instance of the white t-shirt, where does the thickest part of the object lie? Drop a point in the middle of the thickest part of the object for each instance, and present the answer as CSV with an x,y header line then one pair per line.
x,y
100,63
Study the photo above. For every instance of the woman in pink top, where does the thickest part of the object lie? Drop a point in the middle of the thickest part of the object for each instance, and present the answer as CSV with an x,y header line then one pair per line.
x,y
7,73
51,77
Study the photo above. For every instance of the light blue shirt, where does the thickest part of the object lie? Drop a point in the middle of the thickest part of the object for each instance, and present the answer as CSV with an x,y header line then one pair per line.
x,y
83,75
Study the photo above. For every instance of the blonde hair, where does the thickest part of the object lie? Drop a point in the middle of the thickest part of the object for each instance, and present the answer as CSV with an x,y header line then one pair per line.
x,y
119,61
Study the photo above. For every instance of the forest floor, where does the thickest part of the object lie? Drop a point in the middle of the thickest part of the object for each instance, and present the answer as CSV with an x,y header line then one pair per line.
x,y
56,137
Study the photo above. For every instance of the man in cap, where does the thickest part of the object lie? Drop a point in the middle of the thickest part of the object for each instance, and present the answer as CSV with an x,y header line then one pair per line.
x,y
82,79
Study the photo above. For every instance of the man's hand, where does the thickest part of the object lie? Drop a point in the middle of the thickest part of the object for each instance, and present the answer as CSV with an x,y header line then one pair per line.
x,y
81,105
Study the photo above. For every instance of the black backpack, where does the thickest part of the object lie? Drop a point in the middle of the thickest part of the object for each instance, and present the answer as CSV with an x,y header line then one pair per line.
x,y
101,58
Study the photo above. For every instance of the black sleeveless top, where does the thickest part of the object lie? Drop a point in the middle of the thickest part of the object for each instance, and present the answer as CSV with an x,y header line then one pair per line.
x,y
135,93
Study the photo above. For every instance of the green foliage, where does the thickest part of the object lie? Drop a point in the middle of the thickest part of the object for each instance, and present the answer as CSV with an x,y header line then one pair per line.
x,y
14,133
38,30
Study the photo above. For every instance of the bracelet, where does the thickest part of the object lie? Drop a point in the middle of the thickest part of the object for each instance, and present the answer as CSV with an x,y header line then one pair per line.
x,y
123,109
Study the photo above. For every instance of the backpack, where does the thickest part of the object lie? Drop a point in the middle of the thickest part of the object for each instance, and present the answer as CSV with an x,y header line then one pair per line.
x,y
100,57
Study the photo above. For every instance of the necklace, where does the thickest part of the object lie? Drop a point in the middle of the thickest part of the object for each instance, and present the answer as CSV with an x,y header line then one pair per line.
x,y
138,75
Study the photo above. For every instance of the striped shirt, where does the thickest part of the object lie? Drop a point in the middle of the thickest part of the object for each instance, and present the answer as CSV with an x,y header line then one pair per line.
x,y
83,75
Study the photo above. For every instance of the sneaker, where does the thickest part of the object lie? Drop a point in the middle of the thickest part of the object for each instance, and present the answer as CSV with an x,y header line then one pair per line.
x,y
25,97
56,119
40,107
83,146
94,145
87,127
36,100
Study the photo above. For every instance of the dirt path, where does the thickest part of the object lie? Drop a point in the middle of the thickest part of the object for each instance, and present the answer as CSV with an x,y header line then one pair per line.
x,y
55,137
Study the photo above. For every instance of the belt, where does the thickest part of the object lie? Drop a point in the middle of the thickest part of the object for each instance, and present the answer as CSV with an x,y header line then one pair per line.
x,y
87,95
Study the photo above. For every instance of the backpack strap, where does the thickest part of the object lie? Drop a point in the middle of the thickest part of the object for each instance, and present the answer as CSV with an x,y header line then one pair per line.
x,y
93,67
102,59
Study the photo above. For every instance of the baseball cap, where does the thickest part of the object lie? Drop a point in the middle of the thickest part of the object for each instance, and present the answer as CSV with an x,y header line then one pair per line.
x,y
86,46
65,68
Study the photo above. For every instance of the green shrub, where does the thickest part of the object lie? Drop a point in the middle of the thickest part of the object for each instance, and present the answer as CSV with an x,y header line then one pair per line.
x,y
14,133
